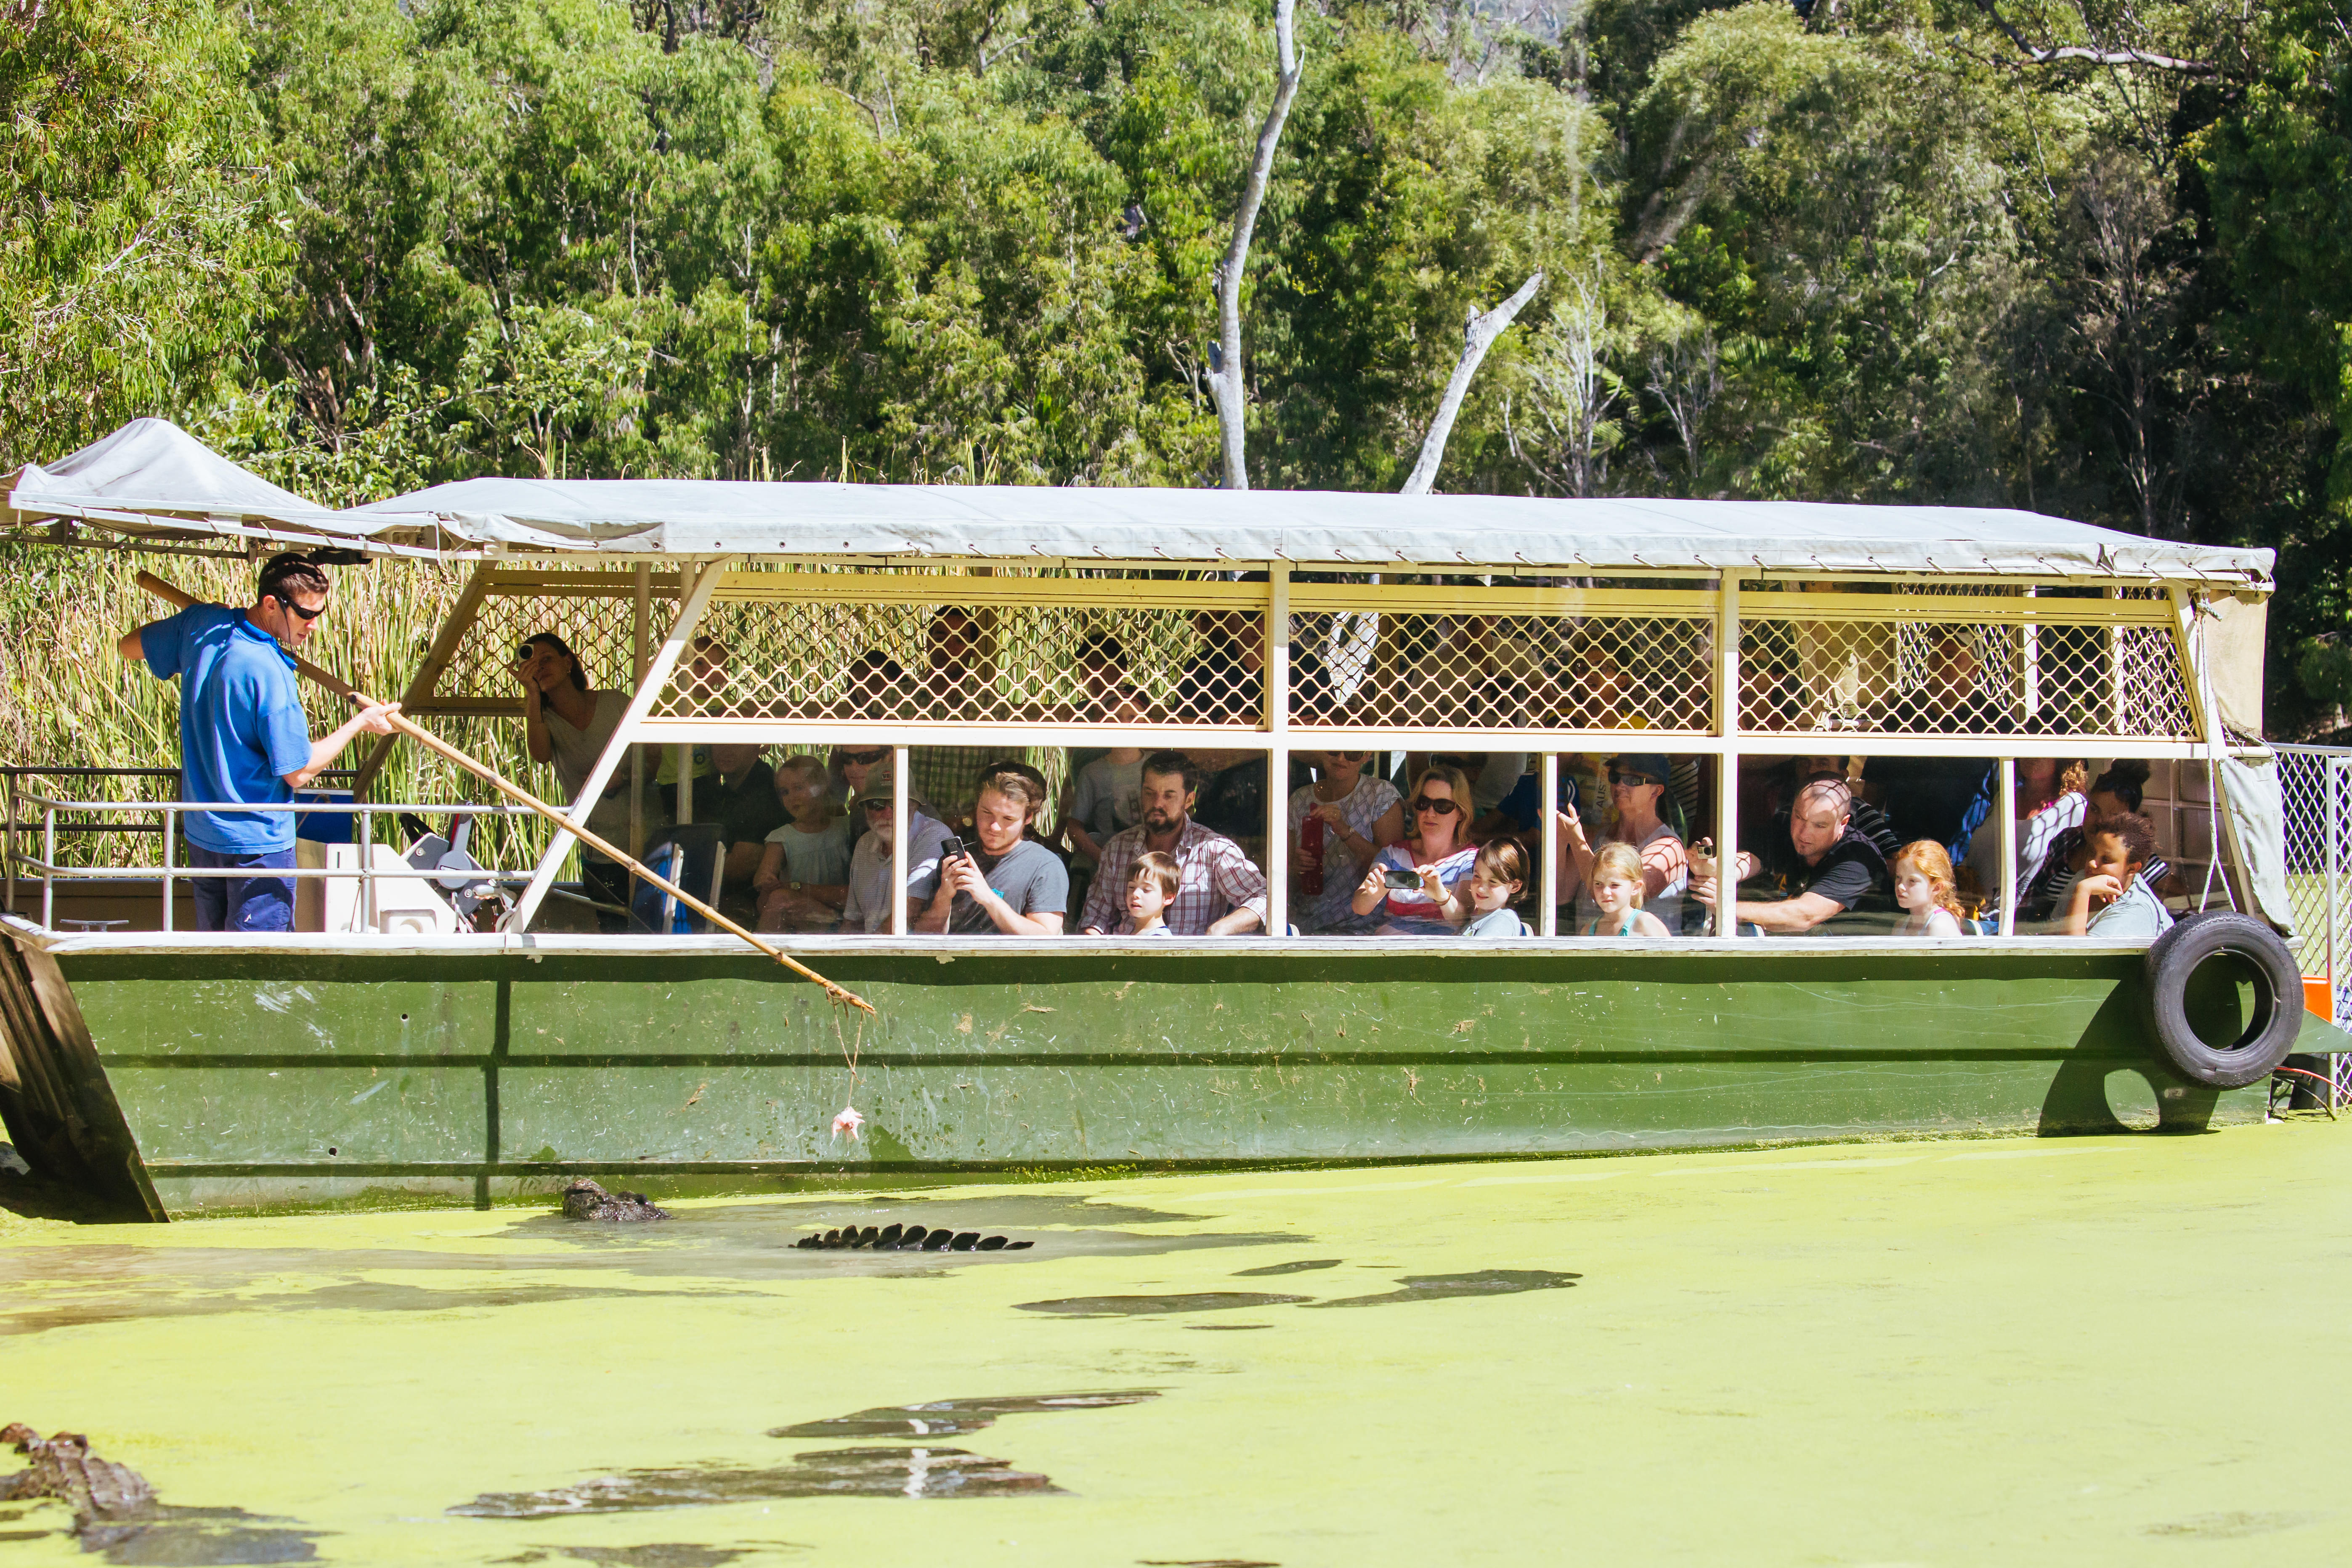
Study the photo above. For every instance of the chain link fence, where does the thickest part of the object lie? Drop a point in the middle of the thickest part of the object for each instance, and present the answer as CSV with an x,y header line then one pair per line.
x,y
2316,782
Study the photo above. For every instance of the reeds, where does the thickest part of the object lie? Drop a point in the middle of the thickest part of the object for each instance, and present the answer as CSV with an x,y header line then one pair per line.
x,y
72,702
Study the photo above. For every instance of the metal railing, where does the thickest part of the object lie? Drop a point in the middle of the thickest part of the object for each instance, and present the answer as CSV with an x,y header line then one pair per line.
x,y
36,813
2316,792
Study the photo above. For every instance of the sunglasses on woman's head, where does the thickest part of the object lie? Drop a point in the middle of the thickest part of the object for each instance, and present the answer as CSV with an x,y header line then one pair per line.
x,y
1435,807
865,759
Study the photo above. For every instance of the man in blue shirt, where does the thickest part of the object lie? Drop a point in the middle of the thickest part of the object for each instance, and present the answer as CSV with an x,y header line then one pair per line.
x,y
243,738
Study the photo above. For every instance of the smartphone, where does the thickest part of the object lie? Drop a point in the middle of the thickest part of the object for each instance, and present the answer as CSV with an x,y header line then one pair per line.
x,y
1396,878
949,848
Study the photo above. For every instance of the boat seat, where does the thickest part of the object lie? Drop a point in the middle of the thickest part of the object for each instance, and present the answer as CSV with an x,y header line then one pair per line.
x,y
693,855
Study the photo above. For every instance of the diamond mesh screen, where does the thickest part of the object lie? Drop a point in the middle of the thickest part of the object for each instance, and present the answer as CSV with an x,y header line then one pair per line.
x,y
1960,676
969,662
597,627
1366,669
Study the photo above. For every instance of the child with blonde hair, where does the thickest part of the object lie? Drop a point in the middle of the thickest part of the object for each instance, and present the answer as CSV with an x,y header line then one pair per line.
x,y
1616,884
1925,888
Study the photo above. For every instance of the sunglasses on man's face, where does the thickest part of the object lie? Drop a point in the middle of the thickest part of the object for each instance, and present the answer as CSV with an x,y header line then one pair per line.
x,y
290,607
1435,807
865,759
877,805
1629,780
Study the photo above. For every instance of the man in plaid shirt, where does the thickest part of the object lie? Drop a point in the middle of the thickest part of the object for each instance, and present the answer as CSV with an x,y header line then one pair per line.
x,y
1219,892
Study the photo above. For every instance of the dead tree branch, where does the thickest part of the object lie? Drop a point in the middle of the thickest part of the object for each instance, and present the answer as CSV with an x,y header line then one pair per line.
x,y
2036,54
1478,335
1226,386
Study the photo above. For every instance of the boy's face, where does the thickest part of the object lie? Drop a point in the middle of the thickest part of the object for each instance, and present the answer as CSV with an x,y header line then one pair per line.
x,y
1144,897
1489,893
2110,858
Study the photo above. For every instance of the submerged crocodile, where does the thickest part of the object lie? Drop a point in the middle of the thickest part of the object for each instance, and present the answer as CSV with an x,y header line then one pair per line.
x,y
910,1238
583,1199
115,1510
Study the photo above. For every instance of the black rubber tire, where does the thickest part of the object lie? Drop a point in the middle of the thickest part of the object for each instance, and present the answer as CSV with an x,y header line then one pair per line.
x,y
2278,1004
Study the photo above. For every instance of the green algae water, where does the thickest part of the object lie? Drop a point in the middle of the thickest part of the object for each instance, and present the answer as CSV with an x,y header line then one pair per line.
x,y
2087,1350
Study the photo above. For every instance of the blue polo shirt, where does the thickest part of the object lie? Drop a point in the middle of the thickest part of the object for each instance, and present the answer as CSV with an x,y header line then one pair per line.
x,y
241,725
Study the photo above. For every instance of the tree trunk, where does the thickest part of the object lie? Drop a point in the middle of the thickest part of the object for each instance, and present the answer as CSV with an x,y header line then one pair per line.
x,y
1477,337
1225,383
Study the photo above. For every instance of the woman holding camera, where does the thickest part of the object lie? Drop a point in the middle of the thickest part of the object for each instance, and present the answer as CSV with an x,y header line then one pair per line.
x,y
1409,881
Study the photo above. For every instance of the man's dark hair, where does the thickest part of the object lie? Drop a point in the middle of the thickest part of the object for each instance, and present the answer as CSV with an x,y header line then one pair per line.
x,y
1175,765
548,639
285,574
1101,648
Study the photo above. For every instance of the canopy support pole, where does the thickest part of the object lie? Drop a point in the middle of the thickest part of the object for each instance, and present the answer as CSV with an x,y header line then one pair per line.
x,y
1727,775
2008,766
702,581
427,678
1278,757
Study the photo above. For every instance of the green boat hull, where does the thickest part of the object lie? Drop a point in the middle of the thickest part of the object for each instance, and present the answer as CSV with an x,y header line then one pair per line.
x,y
251,1078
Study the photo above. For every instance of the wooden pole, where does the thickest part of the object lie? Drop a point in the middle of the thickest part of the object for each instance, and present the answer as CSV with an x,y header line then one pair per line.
x,y
523,797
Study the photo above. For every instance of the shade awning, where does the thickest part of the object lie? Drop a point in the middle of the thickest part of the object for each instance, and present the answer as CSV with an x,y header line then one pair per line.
x,y
151,477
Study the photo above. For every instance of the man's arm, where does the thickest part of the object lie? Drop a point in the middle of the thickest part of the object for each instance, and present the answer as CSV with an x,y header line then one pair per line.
x,y
1111,881
1240,884
372,719
133,644
1789,917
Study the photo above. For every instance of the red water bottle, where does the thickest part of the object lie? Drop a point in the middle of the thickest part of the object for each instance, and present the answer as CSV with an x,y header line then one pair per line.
x,y
1310,855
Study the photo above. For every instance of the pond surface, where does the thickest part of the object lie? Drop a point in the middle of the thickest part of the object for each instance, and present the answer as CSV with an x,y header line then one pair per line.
x,y
1933,1353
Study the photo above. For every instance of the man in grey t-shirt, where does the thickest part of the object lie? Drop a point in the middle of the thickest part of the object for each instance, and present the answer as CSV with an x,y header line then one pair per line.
x,y
1006,882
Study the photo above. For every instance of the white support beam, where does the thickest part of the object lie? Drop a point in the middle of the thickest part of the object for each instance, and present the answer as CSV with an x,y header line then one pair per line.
x,y
700,582
2008,808
1727,777
1277,757
899,811
1548,812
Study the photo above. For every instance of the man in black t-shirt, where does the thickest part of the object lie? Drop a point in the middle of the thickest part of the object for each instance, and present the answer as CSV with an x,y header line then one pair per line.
x,y
743,800
1823,868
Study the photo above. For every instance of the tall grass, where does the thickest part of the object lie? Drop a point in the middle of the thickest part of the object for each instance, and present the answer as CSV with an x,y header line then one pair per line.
x,y
72,702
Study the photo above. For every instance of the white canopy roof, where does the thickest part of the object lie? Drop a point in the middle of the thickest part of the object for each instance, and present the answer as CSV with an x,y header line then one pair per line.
x,y
151,477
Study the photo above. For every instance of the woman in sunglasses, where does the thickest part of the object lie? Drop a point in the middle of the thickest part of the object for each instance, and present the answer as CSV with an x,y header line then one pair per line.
x,y
1637,790
1409,881
1337,825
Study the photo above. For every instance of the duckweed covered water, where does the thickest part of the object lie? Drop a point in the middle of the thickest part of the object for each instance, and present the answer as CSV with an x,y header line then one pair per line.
x,y
2027,1351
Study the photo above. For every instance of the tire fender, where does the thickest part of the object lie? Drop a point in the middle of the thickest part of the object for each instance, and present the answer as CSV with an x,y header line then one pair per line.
x,y
2178,954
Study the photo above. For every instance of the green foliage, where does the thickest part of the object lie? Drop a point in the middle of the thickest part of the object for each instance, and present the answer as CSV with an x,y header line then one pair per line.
x,y
135,242
1874,249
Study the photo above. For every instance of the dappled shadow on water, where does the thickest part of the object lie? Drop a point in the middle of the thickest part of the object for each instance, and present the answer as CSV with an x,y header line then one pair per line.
x,y
1159,1306
730,1249
912,1468
653,1555
954,1417
841,1472
1439,1287
1416,1288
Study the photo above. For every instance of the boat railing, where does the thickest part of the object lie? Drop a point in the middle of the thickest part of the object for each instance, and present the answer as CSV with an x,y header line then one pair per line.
x,y
47,819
